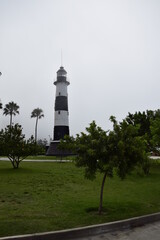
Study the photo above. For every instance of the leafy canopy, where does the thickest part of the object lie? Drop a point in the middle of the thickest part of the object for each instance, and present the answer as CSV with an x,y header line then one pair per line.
x,y
97,150
145,120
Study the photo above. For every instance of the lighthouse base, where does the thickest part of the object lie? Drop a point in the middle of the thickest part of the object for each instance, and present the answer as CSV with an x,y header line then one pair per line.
x,y
53,150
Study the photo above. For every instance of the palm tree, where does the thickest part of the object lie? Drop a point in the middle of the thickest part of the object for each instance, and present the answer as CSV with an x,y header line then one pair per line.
x,y
11,109
38,114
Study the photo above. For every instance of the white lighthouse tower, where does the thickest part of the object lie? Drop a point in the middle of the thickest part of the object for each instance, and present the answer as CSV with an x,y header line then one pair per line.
x,y
61,113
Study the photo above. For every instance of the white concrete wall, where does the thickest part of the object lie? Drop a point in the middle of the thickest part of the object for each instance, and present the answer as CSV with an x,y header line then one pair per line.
x,y
61,119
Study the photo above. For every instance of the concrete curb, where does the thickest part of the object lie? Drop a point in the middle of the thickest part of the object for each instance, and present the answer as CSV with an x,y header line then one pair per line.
x,y
89,230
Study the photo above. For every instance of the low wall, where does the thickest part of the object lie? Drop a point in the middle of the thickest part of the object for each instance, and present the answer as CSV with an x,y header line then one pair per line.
x,y
89,230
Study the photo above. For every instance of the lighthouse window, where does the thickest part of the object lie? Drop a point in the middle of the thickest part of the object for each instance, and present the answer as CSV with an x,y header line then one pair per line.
x,y
59,112
59,93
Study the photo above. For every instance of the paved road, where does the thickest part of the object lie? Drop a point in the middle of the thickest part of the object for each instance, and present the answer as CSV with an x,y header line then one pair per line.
x,y
146,232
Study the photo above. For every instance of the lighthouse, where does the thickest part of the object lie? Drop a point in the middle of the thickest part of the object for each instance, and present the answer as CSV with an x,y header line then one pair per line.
x,y
61,113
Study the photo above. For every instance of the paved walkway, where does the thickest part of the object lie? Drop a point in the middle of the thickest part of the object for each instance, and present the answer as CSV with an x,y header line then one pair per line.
x,y
37,160
57,160
146,232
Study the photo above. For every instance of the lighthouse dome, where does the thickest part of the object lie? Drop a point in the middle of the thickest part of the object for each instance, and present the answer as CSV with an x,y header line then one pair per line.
x,y
61,72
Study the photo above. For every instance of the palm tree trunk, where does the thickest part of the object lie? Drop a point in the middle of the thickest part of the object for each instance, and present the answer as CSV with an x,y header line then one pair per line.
x,y
101,194
36,129
10,120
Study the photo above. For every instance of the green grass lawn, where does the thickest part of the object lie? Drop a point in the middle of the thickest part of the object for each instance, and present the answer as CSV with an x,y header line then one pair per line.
x,y
40,197
43,157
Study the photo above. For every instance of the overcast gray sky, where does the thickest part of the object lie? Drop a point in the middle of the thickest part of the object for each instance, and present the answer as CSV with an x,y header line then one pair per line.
x,y
111,52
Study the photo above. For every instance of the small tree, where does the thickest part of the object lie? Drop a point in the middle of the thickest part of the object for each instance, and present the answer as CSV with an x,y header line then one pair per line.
x,y
11,109
14,146
120,150
38,114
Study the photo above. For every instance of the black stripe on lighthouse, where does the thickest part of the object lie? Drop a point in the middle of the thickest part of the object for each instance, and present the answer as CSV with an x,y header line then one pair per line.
x,y
61,103
60,132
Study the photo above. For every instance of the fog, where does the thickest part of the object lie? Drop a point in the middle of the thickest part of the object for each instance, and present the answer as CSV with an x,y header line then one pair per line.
x,y
111,52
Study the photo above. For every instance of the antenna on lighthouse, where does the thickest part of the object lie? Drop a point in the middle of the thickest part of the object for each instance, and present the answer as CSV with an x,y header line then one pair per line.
x,y
61,58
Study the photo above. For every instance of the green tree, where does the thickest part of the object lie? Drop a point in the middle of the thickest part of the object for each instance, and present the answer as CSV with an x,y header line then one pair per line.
x,y
14,146
146,120
11,109
38,114
117,151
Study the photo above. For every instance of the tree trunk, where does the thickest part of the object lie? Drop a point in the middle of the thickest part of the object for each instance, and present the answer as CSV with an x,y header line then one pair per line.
x,y
15,164
36,129
101,194
12,163
10,120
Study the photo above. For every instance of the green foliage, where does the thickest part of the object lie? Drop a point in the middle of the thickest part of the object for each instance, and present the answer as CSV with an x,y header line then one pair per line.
x,y
14,146
120,150
90,150
130,149
146,120
155,131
